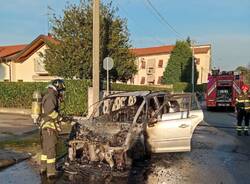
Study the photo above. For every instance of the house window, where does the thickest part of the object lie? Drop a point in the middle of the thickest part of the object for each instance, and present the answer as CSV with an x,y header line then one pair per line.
x,y
160,80
142,63
197,61
160,63
143,80
39,66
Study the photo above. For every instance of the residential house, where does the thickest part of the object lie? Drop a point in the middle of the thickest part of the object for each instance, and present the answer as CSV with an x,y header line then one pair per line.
x,y
26,64
23,62
7,54
152,61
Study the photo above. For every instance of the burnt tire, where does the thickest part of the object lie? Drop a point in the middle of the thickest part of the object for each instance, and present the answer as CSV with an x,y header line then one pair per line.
x,y
128,161
138,151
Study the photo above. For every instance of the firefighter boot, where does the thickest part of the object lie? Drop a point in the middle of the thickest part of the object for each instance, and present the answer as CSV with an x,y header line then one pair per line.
x,y
246,131
51,170
239,132
43,164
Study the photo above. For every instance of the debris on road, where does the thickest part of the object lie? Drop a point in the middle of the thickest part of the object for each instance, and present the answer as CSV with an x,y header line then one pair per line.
x,y
8,158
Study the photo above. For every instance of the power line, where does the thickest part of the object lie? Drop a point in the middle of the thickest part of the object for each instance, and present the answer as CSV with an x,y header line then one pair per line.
x,y
136,22
163,19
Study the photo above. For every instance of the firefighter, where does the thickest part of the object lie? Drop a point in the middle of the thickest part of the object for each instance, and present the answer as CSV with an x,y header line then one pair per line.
x,y
243,110
50,126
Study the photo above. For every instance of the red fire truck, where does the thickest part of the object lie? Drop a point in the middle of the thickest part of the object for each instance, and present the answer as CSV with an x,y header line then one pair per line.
x,y
222,89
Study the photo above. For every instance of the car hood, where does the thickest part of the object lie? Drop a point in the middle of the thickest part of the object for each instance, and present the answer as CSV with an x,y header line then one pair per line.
x,y
99,141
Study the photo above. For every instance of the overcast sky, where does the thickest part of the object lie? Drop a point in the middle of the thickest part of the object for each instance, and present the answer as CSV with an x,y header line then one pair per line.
x,y
224,24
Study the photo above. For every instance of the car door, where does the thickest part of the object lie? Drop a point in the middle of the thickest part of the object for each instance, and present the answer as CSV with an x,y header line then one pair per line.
x,y
172,132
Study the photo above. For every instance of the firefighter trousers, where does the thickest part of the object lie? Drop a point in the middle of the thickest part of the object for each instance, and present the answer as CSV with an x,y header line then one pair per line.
x,y
48,157
242,114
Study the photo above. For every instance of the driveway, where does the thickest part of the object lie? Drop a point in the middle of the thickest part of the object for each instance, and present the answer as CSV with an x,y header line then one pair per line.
x,y
15,124
12,126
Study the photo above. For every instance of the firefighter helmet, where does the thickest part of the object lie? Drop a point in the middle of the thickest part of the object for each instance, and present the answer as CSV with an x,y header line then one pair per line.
x,y
244,87
59,85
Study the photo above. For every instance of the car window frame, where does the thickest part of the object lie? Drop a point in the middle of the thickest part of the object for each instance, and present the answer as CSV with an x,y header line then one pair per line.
x,y
166,102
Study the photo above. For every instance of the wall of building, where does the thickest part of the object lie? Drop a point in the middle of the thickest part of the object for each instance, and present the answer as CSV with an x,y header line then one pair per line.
x,y
203,67
26,71
203,61
150,61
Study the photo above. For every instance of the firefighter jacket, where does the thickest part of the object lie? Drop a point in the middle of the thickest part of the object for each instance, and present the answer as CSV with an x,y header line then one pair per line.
x,y
50,106
243,102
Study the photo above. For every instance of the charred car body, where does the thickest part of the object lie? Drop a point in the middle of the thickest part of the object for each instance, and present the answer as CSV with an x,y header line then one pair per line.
x,y
126,126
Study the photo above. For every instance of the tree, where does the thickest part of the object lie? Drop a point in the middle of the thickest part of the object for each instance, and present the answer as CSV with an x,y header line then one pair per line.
x,y
245,71
72,57
179,67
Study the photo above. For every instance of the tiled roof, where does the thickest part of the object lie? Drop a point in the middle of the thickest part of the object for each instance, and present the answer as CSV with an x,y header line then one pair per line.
x,y
165,50
6,51
34,46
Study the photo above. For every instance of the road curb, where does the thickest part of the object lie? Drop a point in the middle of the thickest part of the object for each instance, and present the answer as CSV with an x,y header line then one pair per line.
x,y
15,111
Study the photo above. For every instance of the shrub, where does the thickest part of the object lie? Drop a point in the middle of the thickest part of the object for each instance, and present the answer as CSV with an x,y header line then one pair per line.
x,y
19,95
182,87
127,87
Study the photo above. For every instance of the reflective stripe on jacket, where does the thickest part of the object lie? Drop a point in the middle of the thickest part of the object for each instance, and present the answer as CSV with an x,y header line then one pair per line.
x,y
243,102
50,107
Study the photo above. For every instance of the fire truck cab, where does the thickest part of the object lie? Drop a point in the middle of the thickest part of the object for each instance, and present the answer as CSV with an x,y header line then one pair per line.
x,y
223,88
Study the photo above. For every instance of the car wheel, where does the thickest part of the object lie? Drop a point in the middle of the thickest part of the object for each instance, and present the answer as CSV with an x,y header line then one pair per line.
x,y
138,151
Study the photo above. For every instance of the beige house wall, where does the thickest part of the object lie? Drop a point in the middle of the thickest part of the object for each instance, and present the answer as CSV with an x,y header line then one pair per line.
x,y
4,72
203,67
158,72
26,70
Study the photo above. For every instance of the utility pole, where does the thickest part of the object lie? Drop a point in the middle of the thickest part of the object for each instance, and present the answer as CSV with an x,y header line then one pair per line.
x,y
192,46
96,51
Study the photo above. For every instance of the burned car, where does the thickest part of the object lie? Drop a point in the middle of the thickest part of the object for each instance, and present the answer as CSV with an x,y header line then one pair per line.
x,y
129,125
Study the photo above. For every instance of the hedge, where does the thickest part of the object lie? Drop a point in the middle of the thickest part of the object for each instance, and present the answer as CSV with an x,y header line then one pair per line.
x,y
182,87
177,87
201,87
19,95
127,87
187,87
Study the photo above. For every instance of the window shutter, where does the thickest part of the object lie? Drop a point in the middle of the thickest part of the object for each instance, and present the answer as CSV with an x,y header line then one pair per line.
x,y
143,80
160,63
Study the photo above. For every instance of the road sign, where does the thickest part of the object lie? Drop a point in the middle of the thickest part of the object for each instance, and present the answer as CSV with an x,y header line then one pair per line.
x,y
108,63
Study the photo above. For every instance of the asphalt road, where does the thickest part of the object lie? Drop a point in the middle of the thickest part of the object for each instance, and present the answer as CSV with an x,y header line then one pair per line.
x,y
14,124
218,155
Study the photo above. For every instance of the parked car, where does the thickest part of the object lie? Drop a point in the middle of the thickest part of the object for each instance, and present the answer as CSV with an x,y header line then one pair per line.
x,y
128,125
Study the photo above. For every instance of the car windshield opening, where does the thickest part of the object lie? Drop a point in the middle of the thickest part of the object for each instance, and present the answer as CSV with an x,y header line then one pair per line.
x,y
118,109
